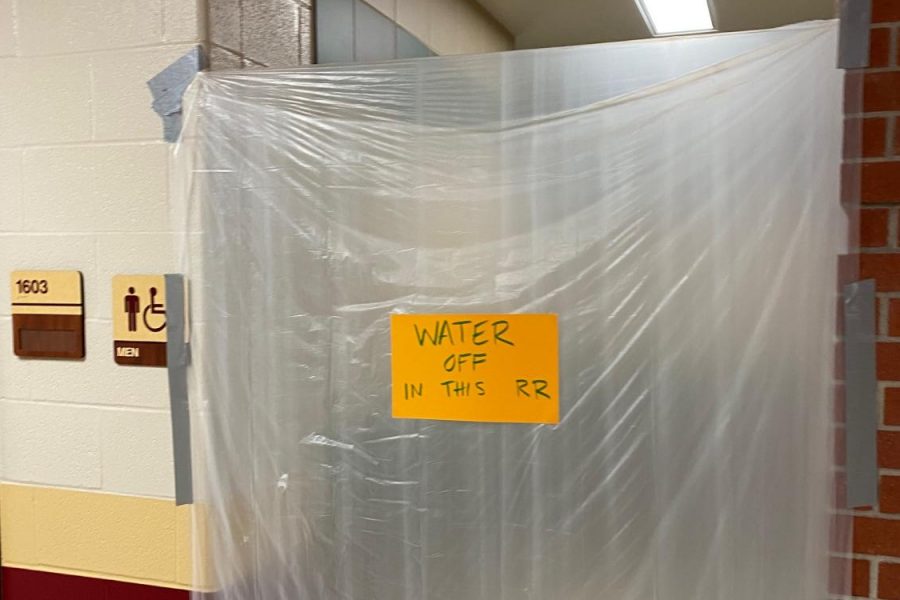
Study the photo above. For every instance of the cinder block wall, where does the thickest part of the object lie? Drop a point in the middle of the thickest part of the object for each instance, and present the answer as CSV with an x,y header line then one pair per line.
x,y
247,34
876,568
85,446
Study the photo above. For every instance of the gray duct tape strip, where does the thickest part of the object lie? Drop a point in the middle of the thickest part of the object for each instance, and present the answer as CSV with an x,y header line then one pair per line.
x,y
168,87
853,46
862,393
177,358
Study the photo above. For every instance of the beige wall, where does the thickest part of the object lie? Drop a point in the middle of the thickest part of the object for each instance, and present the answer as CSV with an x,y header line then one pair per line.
x,y
84,186
448,26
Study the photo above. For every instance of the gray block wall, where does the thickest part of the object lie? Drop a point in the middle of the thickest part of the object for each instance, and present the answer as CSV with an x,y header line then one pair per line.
x,y
260,33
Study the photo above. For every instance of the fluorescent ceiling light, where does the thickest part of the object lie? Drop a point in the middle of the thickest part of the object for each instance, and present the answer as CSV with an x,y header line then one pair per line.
x,y
668,17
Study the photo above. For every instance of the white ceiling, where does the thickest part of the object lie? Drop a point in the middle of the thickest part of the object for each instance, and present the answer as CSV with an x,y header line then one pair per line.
x,y
543,23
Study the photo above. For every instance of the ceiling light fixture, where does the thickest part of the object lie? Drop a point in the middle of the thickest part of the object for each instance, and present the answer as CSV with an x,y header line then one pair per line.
x,y
671,17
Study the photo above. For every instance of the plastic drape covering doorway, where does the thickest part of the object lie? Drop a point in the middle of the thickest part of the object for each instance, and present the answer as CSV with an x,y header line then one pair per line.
x,y
676,204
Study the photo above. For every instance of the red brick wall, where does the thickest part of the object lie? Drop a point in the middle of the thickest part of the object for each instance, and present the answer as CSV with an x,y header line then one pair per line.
x,y
876,536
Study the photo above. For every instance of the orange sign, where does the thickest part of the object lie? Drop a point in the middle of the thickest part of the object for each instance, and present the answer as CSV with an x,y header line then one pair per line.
x,y
483,368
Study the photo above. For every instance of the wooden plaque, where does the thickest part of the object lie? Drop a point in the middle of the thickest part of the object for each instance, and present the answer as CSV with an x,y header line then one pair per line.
x,y
48,314
139,320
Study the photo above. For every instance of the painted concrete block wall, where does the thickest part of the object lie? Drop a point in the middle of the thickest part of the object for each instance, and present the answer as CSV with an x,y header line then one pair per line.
x,y
84,178
92,534
84,183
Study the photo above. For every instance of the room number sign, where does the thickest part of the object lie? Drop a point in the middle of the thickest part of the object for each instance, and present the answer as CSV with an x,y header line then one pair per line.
x,y
48,314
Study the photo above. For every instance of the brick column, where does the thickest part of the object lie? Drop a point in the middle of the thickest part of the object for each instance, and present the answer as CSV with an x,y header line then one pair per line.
x,y
876,538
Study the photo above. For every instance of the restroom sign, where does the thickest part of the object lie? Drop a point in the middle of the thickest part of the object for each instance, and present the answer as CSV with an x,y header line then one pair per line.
x,y
496,368
139,320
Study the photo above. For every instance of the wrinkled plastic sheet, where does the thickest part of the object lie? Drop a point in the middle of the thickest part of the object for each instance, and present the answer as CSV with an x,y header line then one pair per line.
x,y
675,202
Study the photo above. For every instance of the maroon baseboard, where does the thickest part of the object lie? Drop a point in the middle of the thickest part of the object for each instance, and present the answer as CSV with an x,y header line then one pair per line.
x,y
25,584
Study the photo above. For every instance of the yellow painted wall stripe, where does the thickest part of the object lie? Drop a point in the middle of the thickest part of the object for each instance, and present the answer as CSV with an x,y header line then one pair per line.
x,y
112,536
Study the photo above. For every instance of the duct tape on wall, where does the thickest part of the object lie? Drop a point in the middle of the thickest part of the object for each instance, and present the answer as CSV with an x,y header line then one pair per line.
x,y
168,87
862,393
177,360
853,48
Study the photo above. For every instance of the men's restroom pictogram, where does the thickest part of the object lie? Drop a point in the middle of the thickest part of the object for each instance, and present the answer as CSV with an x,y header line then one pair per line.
x,y
132,307
139,320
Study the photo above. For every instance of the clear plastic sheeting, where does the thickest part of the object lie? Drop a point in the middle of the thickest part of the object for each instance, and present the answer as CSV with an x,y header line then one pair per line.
x,y
675,202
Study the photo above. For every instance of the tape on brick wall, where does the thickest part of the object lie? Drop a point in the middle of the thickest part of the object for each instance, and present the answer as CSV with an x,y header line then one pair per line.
x,y
168,87
862,393
853,47
177,359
